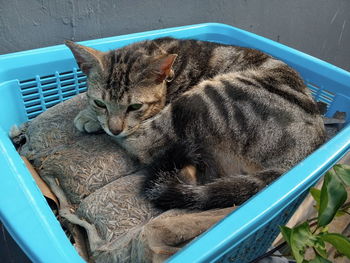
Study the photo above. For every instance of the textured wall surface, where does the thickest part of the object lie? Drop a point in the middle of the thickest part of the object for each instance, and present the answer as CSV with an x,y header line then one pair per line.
x,y
318,27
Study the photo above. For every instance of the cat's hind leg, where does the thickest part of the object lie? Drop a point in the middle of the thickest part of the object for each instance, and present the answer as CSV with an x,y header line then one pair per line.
x,y
166,189
183,164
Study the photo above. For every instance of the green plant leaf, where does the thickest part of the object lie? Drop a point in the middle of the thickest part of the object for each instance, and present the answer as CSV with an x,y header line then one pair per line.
x,y
343,172
301,238
323,229
340,242
319,259
333,196
286,231
320,247
316,194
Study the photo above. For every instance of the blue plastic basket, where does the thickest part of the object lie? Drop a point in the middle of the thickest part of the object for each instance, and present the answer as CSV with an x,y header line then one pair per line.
x,y
32,81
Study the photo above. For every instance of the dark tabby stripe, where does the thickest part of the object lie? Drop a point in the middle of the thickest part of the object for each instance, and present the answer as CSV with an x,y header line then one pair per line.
x,y
254,57
240,119
126,78
156,127
307,106
182,117
263,110
111,80
218,102
251,141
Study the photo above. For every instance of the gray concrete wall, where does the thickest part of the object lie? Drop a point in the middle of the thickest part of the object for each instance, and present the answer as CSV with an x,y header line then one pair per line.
x,y
318,27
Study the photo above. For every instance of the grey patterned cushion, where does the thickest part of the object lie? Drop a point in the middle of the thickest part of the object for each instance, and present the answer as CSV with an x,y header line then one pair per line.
x,y
97,184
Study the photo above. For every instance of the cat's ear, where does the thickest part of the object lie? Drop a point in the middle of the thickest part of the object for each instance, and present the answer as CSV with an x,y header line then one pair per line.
x,y
162,67
88,59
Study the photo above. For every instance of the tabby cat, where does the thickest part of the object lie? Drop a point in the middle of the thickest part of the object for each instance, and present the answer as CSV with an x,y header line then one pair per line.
x,y
239,116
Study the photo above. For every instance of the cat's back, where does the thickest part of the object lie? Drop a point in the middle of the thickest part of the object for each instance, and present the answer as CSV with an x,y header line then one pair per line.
x,y
201,55
258,103
215,57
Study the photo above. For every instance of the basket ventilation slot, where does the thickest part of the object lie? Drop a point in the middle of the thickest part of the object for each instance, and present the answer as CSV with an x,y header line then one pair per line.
x,y
321,94
258,243
43,92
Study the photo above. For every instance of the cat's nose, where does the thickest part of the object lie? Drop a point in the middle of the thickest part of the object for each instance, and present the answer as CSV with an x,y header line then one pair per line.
x,y
114,130
115,125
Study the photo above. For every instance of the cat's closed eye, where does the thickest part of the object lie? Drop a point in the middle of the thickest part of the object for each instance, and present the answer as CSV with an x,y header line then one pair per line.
x,y
135,107
100,104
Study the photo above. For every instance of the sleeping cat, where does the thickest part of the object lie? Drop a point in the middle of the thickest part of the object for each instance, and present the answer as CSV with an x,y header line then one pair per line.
x,y
239,116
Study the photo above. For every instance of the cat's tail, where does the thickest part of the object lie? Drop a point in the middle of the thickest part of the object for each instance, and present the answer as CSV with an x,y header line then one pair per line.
x,y
166,189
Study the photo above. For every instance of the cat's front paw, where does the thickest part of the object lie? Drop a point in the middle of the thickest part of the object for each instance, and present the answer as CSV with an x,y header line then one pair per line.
x,y
86,121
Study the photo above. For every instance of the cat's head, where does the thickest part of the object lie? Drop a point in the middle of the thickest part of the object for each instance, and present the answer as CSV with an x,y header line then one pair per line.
x,y
125,86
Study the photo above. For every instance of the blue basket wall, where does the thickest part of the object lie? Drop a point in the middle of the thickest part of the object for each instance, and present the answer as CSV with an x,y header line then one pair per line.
x,y
43,92
33,81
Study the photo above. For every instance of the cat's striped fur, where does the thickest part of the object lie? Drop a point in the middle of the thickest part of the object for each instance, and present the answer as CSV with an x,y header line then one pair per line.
x,y
241,117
